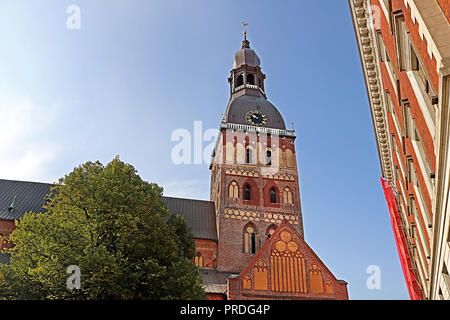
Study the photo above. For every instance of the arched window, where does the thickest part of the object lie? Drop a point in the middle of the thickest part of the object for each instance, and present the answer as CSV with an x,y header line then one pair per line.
x,y
233,190
287,196
268,157
239,81
315,279
248,155
250,239
250,79
198,260
247,192
273,195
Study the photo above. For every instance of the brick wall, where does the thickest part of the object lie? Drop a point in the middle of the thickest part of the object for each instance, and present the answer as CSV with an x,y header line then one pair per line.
x,y
237,290
6,227
208,250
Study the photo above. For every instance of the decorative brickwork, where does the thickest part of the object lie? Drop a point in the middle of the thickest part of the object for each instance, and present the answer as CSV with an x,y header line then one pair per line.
x,y
286,268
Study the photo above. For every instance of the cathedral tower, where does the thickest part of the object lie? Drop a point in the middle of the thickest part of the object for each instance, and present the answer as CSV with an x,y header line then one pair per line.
x,y
254,176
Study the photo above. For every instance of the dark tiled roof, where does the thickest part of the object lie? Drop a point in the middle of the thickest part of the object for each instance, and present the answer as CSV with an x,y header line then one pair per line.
x,y
4,258
30,196
214,281
199,214
212,276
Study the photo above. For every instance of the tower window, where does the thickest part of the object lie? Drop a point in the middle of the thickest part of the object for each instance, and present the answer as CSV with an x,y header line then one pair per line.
x,y
273,195
250,239
247,193
239,81
287,196
248,156
253,243
233,190
268,157
251,79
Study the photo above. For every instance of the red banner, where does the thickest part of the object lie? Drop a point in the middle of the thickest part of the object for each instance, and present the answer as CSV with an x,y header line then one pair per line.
x,y
400,240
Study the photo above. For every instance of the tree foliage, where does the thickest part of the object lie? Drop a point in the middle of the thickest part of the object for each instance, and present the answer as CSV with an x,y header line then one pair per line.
x,y
116,228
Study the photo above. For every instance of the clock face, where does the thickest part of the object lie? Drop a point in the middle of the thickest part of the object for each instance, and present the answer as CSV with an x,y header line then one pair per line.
x,y
256,118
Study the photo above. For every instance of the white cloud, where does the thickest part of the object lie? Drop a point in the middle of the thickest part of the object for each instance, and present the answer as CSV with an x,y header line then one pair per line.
x,y
26,151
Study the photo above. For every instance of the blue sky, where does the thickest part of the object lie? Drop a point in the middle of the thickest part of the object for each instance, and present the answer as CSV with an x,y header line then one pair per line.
x,y
138,70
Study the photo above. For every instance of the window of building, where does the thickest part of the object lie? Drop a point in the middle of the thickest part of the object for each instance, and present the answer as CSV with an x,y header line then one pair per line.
x,y
250,239
409,171
381,47
248,155
287,196
401,38
423,88
198,259
392,73
239,81
407,120
415,64
247,193
233,190
268,157
424,163
390,107
250,79
273,195
413,230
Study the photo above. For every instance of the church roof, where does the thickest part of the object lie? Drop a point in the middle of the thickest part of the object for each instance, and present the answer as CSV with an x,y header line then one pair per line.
x,y
214,281
20,197
200,215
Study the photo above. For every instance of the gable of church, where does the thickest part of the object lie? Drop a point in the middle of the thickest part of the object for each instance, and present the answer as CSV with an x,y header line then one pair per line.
x,y
286,268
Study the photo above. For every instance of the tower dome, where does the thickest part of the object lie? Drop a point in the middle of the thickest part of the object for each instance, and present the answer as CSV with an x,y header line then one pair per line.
x,y
246,56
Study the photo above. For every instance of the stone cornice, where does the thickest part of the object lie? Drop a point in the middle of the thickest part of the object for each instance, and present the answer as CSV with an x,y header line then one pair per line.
x,y
366,37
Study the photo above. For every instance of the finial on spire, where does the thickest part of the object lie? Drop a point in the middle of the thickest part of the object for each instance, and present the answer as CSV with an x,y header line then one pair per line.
x,y
245,42
245,24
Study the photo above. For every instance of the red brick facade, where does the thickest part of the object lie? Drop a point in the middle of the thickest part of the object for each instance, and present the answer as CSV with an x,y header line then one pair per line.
x,y
6,227
286,268
403,143
207,250
273,207
403,50
234,214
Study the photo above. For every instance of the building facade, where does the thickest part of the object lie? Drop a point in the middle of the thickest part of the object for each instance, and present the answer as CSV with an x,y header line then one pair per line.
x,y
405,54
249,236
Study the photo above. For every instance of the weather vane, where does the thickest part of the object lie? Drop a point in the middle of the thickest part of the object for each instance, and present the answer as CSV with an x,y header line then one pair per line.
x,y
244,24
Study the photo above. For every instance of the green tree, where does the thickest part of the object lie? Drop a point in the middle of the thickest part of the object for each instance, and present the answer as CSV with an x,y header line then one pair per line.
x,y
112,225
